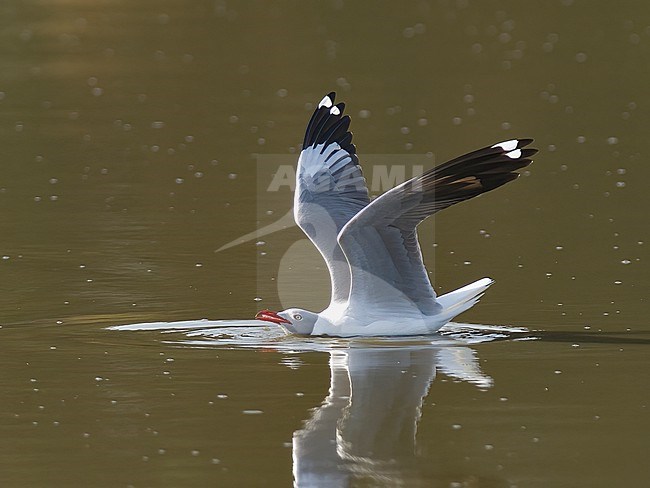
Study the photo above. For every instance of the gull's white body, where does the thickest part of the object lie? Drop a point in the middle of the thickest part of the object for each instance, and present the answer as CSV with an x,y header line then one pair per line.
x,y
336,321
380,286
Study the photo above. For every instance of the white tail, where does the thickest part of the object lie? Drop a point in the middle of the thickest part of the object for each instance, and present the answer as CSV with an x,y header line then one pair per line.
x,y
457,301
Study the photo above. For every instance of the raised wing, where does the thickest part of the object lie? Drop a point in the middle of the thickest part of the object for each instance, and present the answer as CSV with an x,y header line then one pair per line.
x,y
330,188
381,243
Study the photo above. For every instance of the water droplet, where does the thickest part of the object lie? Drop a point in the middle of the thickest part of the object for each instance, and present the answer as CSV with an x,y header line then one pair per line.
x,y
252,412
408,33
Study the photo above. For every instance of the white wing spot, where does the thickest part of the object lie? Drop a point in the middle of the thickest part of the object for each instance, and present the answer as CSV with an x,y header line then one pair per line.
x,y
335,110
514,154
325,102
508,145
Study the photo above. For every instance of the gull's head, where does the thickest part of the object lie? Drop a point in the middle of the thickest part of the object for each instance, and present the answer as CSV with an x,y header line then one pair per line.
x,y
293,320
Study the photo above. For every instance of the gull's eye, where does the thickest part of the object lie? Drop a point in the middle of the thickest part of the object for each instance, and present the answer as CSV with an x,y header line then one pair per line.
x,y
297,316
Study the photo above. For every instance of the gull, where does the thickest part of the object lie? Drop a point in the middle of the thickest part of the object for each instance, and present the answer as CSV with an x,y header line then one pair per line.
x,y
379,284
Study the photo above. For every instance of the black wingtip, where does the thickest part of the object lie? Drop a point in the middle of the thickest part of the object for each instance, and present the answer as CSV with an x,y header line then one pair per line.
x,y
328,100
524,142
329,124
526,153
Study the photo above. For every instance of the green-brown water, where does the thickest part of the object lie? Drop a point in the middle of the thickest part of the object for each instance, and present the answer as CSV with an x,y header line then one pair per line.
x,y
132,135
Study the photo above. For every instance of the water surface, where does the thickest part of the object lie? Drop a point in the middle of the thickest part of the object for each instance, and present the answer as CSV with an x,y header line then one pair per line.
x,y
132,134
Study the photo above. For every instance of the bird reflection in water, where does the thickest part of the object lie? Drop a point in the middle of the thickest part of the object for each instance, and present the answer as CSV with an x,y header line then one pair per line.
x,y
366,427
